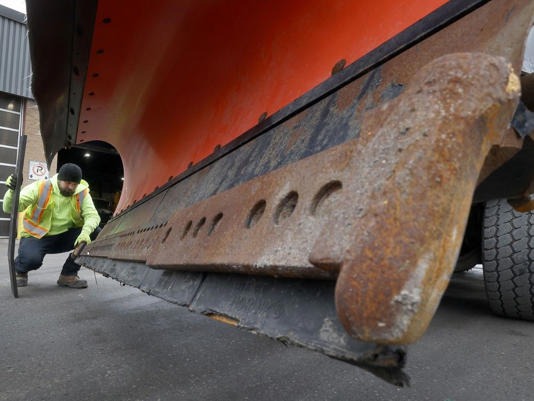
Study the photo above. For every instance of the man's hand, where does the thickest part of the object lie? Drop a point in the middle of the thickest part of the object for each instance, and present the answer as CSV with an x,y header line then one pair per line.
x,y
11,182
83,237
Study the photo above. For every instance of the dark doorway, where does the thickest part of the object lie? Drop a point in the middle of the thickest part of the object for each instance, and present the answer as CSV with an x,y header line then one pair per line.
x,y
102,168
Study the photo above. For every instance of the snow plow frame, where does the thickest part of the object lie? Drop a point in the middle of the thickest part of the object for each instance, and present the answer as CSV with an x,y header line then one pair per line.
x,y
368,136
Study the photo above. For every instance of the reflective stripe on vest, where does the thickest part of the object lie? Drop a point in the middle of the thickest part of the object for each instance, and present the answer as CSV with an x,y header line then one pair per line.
x,y
79,200
45,190
34,230
31,225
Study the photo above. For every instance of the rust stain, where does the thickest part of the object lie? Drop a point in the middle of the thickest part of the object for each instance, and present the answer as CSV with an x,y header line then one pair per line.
x,y
223,319
293,138
418,200
394,226
345,98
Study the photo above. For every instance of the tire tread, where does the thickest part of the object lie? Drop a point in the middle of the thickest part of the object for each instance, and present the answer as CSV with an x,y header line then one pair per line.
x,y
508,260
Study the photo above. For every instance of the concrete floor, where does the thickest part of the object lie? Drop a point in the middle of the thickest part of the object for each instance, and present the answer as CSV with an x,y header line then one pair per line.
x,y
110,342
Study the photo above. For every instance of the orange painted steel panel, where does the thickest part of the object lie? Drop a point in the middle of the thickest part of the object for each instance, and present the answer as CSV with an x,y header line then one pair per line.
x,y
170,80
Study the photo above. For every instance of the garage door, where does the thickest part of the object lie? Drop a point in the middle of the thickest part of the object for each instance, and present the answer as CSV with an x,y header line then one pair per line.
x,y
10,124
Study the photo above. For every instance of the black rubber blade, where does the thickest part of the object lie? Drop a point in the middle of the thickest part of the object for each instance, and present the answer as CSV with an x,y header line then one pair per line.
x,y
292,311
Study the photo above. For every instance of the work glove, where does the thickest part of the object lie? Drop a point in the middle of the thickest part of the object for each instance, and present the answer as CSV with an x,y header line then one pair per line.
x,y
83,237
11,182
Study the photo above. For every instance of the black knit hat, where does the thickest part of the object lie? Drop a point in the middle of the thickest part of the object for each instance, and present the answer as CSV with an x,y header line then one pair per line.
x,y
70,172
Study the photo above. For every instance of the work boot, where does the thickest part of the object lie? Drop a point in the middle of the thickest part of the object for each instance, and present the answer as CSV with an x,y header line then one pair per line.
x,y
22,279
71,282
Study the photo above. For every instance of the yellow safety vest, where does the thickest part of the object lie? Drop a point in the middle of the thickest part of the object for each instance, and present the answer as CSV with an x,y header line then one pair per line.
x,y
36,222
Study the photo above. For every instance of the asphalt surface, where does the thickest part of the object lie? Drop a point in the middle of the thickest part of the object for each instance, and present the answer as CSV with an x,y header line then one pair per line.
x,y
110,342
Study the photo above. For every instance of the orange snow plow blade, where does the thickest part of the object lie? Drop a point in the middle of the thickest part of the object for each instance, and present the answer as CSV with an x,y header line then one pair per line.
x,y
305,170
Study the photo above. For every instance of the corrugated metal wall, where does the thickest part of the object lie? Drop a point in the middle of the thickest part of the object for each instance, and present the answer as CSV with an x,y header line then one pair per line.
x,y
15,66
15,82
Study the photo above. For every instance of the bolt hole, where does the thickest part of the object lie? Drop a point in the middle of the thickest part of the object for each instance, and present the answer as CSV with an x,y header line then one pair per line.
x,y
100,51
199,226
187,228
215,222
166,235
286,207
71,111
106,20
91,93
96,75
88,109
320,200
256,213
83,132
85,121
76,70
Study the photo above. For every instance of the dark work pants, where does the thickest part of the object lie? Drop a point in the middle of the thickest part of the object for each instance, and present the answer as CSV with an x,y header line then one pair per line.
x,y
33,250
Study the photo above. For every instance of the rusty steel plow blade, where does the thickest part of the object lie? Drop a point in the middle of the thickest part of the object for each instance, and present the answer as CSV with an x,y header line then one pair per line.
x,y
419,172
385,213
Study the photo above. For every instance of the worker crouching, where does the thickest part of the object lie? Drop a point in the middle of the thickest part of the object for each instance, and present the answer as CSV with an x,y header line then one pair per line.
x,y
59,214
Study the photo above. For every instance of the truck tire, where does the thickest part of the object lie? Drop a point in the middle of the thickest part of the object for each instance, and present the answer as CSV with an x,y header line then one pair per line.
x,y
508,260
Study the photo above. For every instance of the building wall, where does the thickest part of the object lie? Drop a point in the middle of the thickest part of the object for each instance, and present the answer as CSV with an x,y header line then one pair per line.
x,y
27,124
15,65
18,111
34,144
